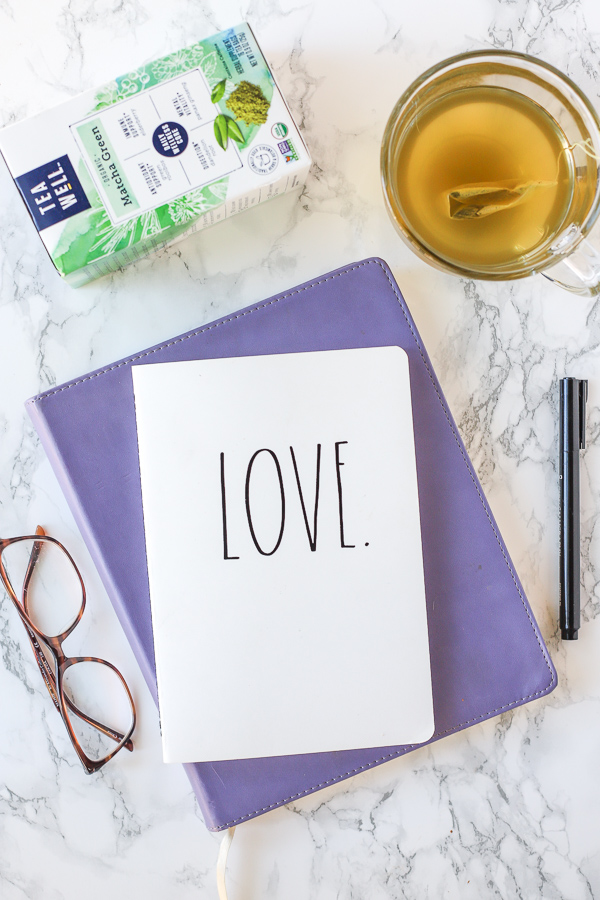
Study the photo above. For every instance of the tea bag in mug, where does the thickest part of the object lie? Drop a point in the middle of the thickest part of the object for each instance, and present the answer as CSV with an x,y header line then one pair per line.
x,y
474,201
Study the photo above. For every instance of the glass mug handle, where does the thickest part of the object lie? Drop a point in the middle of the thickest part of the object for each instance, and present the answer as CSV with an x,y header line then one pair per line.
x,y
580,271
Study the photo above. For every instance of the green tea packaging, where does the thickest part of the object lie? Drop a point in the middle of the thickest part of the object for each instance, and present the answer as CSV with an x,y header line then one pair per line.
x,y
166,150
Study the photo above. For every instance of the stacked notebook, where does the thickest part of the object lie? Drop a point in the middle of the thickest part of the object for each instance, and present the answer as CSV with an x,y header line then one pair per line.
x,y
485,649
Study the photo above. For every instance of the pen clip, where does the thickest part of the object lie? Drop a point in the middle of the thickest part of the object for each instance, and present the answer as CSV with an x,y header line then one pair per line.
x,y
583,394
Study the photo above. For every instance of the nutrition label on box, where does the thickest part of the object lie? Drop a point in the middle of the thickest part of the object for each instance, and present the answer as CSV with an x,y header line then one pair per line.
x,y
154,146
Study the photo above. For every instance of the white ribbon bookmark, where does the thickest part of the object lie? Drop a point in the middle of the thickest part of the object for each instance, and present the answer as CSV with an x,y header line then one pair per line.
x,y
222,862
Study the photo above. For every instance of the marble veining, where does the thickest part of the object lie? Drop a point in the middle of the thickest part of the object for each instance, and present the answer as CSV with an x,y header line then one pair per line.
x,y
506,809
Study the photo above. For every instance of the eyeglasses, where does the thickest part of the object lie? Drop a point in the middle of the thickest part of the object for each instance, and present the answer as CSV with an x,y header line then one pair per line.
x,y
47,589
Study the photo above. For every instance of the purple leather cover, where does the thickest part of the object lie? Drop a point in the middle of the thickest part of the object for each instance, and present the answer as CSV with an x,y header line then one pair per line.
x,y
487,654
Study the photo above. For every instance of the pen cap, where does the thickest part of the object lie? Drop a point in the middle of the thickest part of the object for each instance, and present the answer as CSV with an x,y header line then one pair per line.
x,y
573,396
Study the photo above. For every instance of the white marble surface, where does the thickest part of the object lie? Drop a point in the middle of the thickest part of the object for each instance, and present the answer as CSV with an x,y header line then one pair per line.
x,y
506,809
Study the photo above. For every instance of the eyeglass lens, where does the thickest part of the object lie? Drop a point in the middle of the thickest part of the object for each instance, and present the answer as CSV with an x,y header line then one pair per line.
x,y
97,690
54,596
44,578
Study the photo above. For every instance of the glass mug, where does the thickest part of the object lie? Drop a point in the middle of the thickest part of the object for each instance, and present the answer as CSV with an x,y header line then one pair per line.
x,y
490,170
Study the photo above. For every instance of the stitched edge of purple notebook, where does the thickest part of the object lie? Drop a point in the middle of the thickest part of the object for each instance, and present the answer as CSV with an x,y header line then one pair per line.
x,y
263,305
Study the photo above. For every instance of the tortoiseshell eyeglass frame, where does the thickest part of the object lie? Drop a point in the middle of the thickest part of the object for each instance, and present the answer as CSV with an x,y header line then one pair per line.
x,y
54,682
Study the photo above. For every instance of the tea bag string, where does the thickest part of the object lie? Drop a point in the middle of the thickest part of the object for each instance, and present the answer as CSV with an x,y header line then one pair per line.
x,y
587,148
222,862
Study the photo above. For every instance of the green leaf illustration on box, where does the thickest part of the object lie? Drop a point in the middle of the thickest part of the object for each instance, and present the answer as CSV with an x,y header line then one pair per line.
x,y
91,235
233,130
200,55
220,128
219,89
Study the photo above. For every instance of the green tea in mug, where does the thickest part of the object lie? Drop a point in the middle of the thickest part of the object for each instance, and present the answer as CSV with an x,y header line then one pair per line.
x,y
484,176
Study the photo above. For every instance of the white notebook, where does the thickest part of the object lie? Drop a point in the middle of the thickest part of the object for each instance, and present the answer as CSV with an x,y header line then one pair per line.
x,y
284,553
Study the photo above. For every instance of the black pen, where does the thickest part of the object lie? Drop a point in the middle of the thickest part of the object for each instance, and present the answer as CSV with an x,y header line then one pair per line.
x,y
573,396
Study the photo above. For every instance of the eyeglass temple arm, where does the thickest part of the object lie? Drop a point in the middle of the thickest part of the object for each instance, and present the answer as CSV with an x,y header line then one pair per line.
x,y
43,665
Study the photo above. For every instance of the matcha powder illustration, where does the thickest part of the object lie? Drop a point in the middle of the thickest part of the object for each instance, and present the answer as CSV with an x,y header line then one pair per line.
x,y
248,103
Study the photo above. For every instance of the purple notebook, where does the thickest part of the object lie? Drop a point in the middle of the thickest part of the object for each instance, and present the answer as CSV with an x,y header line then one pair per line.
x,y
487,654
